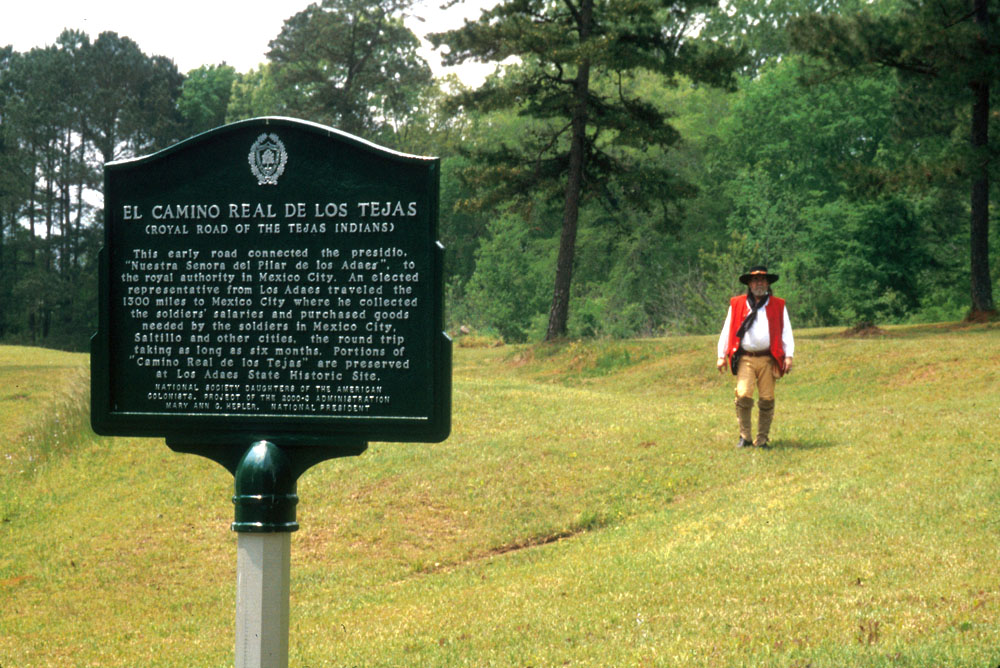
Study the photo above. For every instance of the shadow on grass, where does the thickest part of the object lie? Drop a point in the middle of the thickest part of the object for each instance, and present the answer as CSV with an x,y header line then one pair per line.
x,y
801,444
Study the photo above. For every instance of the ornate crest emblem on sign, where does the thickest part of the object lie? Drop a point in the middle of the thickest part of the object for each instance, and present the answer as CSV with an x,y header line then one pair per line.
x,y
267,159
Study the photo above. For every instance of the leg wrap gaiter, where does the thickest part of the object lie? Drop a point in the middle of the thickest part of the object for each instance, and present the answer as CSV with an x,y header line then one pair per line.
x,y
744,411
766,414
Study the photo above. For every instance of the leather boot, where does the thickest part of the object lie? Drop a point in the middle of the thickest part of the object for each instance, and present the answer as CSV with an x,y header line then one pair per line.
x,y
764,417
744,413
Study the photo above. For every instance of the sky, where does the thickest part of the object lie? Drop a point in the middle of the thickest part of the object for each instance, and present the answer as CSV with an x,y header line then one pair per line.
x,y
205,32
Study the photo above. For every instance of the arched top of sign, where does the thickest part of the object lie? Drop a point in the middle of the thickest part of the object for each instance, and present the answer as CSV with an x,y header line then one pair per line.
x,y
271,126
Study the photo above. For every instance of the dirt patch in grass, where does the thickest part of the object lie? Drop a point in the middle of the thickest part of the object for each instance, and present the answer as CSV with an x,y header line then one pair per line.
x,y
981,317
864,330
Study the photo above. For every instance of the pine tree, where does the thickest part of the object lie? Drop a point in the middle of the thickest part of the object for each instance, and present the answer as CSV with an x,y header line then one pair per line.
x,y
575,56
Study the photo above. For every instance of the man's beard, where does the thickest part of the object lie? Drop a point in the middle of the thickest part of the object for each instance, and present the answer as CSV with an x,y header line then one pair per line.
x,y
759,292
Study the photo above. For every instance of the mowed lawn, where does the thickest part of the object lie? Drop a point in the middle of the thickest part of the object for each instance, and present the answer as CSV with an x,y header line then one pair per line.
x,y
589,509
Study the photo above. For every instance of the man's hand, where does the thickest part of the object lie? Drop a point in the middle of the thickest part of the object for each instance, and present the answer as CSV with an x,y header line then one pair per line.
x,y
788,364
720,364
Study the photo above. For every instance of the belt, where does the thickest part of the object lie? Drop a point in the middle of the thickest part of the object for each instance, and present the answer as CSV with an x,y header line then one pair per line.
x,y
757,353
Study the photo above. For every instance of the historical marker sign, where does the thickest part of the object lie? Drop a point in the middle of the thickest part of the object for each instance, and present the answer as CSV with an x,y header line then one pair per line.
x,y
272,279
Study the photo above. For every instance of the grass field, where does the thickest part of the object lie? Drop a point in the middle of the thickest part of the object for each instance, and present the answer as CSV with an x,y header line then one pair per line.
x,y
589,509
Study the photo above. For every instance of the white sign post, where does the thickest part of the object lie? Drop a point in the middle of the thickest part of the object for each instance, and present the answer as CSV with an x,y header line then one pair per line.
x,y
262,592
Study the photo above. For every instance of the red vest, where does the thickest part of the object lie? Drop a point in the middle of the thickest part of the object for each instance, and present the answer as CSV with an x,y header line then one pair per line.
x,y
775,310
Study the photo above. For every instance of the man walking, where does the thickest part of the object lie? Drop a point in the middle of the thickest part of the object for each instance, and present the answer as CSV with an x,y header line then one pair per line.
x,y
757,344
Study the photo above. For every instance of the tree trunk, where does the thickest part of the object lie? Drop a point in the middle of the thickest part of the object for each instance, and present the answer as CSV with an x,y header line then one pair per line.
x,y
982,287
559,313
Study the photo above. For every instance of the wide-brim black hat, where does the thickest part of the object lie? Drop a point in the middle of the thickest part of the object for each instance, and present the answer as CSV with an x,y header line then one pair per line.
x,y
759,270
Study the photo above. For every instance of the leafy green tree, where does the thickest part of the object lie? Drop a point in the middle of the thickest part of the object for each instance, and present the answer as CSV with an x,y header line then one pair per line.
x,y
37,121
863,262
461,228
64,110
575,57
759,28
947,54
810,174
204,98
254,94
351,64
509,262
13,186
130,104
624,279
46,136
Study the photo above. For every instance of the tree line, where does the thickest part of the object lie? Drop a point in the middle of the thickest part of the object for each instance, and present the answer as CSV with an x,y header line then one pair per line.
x,y
612,177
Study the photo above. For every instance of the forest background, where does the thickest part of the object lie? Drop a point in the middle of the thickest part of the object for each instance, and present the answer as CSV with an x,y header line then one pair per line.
x,y
849,145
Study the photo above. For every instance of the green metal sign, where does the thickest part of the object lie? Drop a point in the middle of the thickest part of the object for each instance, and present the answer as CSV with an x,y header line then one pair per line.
x,y
272,280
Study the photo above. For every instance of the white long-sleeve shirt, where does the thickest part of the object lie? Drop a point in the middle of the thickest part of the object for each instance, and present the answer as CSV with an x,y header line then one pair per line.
x,y
758,337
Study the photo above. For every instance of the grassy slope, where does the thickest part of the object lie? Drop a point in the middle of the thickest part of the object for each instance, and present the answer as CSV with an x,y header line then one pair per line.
x,y
589,509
